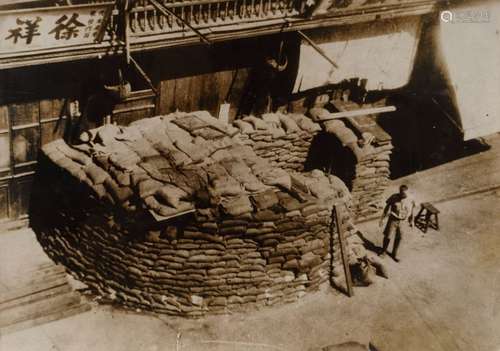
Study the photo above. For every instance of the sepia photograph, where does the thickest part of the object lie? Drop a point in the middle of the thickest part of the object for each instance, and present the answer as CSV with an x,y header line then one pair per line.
x,y
249,175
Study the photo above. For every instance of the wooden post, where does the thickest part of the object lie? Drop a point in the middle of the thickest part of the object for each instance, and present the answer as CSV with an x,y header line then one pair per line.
x,y
104,24
343,250
126,21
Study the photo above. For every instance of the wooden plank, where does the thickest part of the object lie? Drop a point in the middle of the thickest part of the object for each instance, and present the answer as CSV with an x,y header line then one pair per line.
x,y
57,108
203,93
4,117
218,83
193,93
182,92
5,154
166,102
343,250
209,93
46,107
4,202
223,80
17,114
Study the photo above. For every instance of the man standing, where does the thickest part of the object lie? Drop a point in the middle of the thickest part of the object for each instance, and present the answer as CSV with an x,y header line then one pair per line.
x,y
399,207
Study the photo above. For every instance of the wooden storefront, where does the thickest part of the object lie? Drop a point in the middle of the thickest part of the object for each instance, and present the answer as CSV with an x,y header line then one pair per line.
x,y
39,87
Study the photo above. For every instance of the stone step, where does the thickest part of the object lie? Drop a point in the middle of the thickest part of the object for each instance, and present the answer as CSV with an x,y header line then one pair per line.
x,y
65,312
33,287
42,273
38,309
35,296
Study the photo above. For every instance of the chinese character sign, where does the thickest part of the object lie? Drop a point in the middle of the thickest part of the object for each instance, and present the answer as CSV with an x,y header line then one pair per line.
x,y
29,30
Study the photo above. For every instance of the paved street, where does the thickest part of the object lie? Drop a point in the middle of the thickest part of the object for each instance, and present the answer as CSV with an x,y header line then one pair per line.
x,y
444,295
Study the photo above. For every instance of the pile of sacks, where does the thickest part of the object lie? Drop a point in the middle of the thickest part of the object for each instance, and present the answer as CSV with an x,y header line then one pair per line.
x,y
372,176
170,162
283,139
257,235
372,153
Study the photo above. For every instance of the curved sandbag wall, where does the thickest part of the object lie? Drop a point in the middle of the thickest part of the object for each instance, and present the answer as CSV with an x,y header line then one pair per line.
x,y
365,165
179,215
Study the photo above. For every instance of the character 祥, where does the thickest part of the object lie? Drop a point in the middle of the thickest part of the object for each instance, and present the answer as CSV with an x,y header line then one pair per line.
x,y
27,29
67,28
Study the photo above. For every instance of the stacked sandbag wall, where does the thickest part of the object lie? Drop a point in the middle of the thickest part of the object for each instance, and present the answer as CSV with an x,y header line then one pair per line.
x,y
283,139
174,214
372,148
208,263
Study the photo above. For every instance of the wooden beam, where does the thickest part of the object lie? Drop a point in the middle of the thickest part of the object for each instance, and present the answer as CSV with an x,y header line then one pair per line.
x,y
360,112
143,74
126,21
343,250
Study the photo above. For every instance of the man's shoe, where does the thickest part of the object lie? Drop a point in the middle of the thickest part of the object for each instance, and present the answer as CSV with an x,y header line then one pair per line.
x,y
381,253
395,259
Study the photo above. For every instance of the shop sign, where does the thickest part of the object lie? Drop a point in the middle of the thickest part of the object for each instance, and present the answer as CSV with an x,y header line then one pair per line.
x,y
48,28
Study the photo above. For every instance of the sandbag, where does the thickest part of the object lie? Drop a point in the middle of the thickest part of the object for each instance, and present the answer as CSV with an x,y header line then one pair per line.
x,y
171,195
96,174
148,187
257,123
244,127
237,206
288,124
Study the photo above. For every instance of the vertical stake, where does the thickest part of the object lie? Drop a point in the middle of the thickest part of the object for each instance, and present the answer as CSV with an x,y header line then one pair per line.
x,y
343,250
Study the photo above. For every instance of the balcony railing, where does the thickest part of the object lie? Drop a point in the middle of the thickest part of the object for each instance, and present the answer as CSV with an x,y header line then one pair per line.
x,y
94,28
147,19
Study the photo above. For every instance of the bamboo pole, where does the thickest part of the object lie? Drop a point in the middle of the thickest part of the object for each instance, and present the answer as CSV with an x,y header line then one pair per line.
x,y
317,48
166,11
360,112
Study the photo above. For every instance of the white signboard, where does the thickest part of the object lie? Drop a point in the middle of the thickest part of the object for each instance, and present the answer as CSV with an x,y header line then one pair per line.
x,y
470,41
385,58
34,29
